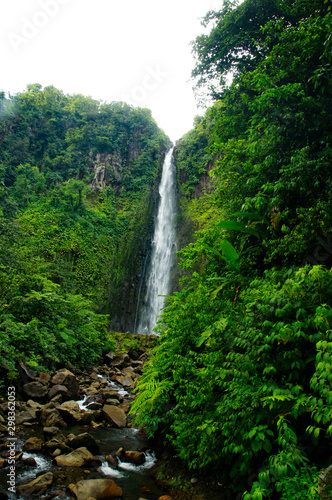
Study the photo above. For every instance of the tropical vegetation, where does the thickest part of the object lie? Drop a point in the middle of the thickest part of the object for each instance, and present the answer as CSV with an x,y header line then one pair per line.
x,y
241,383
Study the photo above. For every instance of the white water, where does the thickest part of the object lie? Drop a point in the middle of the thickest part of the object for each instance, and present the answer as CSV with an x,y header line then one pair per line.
x,y
163,249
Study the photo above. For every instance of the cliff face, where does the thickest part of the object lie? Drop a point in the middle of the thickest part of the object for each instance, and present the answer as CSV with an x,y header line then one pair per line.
x,y
131,264
106,170
80,178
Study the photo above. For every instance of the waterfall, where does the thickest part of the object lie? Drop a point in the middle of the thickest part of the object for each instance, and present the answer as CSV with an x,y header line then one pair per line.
x,y
163,249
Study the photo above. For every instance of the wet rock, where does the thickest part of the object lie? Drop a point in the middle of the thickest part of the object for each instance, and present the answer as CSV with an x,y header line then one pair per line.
x,y
30,462
121,361
44,377
120,379
76,458
109,357
56,390
114,402
88,416
33,444
34,405
325,484
50,432
112,461
129,372
70,411
36,487
24,417
95,406
114,416
68,379
50,417
124,406
110,394
133,457
26,374
98,489
57,444
35,390
84,440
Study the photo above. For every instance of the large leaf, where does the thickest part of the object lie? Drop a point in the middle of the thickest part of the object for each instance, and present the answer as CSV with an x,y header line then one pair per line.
x,y
238,226
230,253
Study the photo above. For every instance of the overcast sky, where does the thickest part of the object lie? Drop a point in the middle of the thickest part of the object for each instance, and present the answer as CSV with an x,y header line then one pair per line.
x,y
129,50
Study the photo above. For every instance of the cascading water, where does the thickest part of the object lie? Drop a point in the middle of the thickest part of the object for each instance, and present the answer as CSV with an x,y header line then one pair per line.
x,y
163,249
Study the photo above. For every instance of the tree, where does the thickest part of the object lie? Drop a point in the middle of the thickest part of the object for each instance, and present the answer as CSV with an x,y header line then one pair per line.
x,y
243,36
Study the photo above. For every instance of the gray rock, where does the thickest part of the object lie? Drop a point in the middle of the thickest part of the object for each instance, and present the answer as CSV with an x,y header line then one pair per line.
x,y
36,487
84,440
76,458
115,416
68,379
325,484
56,390
35,390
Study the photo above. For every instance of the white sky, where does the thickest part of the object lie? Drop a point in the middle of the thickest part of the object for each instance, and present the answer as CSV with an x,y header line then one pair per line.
x,y
137,51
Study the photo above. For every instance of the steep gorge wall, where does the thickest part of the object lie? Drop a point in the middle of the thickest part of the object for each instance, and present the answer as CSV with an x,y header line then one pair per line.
x,y
131,258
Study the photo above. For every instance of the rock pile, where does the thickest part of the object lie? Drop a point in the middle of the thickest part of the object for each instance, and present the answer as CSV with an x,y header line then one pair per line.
x,y
51,408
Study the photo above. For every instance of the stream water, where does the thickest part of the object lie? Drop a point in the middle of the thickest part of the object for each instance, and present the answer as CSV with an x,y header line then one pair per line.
x,y
163,249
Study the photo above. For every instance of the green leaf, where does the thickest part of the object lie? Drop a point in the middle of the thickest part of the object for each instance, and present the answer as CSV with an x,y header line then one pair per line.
x,y
230,253
238,226
205,335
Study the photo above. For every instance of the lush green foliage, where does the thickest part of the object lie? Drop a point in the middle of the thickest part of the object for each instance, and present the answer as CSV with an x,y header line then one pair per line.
x,y
241,382
67,246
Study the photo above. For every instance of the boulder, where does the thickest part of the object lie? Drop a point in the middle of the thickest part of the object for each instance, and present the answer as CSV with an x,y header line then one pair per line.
x,y
124,406
120,379
68,379
325,484
76,458
56,390
26,374
50,432
110,394
36,487
114,416
133,457
71,412
30,462
34,405
109,358
23,417
84,440
100,489
88,416
35,390
129,372
121,361
57,444
44,377
33,444
50,417
96,406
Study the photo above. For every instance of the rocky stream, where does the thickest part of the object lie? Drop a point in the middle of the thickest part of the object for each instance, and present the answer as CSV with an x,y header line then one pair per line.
x,y
73,436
